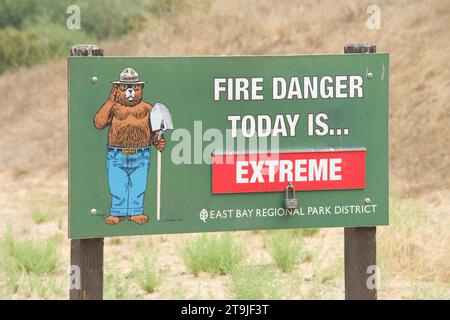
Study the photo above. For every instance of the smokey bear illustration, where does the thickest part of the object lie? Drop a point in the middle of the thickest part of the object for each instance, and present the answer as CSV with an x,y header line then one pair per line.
x,y
128,152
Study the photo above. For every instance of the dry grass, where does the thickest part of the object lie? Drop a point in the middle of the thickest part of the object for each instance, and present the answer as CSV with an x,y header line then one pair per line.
x,y
417,243
414,249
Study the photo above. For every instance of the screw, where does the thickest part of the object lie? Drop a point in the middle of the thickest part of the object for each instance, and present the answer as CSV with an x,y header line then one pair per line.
x,y
367,200
369,75
94,79
93,211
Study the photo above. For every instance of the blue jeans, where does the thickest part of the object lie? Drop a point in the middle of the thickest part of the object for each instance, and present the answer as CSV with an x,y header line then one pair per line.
x,y
127,178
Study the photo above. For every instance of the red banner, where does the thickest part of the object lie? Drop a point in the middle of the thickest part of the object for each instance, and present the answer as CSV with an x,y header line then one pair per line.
x,y
311,170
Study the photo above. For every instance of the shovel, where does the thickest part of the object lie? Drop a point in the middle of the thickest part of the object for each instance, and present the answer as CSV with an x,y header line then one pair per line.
x,y
160,119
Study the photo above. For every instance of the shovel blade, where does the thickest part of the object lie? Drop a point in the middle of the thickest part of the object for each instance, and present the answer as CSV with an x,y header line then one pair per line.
x,y
160,117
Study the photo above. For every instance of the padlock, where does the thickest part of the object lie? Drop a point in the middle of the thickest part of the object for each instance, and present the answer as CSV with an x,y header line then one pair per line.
x,y
290,203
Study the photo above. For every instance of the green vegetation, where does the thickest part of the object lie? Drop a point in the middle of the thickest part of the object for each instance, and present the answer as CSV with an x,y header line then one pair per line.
x,y
255,283
146,274
286,249
331,272
38,257
116,241
212,254
25,266
117,287
324,277
178,292
43,287
40,216
309,232
35,31
35,44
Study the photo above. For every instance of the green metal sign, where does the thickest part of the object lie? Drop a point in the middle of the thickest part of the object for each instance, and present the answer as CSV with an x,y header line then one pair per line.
x,y
200,144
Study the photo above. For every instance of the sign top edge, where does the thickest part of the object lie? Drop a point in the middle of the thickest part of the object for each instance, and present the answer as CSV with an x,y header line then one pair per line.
x,y
239,56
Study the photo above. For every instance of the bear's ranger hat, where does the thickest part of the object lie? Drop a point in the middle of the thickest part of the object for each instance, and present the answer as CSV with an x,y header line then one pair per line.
x,y
128,76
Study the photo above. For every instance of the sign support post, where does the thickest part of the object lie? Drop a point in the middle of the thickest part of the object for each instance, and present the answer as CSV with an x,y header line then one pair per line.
x,y
86,255
360,242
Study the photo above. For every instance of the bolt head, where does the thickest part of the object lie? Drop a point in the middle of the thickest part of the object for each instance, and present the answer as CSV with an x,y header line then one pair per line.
x,y
93,211
370,75
367,200
94,80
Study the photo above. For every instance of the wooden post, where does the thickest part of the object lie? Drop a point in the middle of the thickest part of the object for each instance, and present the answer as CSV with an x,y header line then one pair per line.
x,y
360,246
86,255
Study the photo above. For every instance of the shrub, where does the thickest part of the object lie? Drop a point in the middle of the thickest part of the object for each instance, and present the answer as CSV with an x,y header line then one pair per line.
x,y
14,13
117,286
212,254
146,275
37,257
34,31
40,216
100,19
255,283
112,18
35,45
284,249
160,8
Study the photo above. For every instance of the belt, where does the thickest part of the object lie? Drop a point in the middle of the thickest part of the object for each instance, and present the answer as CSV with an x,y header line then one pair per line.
x,y
127,151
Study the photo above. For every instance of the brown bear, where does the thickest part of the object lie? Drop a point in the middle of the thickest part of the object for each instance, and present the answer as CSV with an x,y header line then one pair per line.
x,y
129,139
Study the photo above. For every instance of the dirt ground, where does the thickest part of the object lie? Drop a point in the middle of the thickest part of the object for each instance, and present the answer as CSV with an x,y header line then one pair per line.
x,y
33,160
